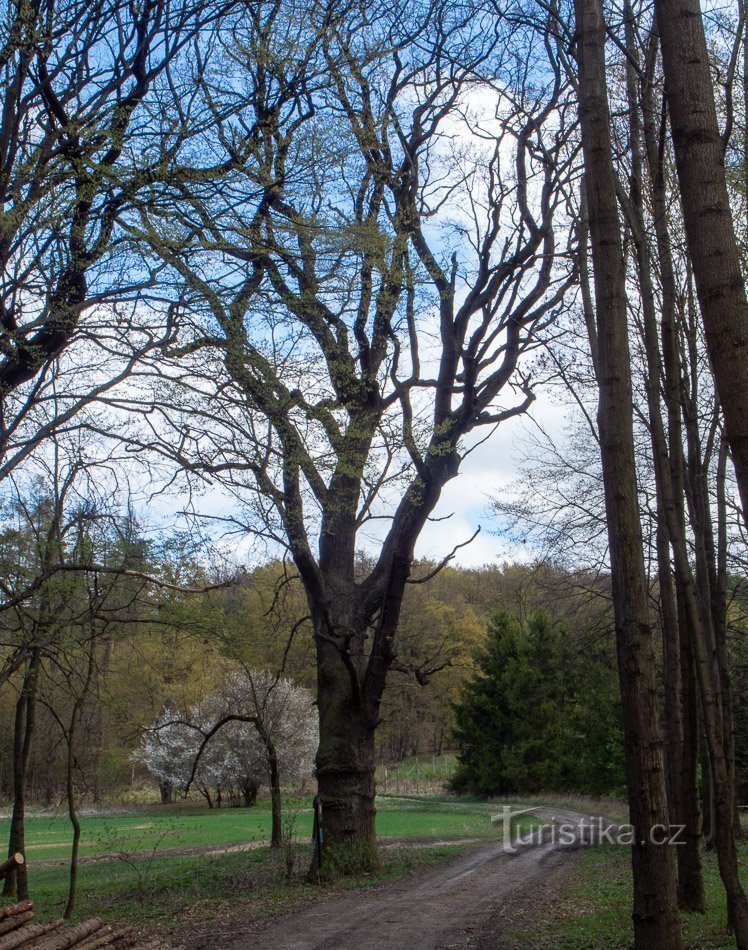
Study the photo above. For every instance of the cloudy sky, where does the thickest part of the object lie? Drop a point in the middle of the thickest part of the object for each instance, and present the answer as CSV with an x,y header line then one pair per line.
x,y
489,472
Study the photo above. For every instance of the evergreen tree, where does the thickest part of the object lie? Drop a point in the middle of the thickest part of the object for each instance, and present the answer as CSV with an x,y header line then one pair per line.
x,y
540,714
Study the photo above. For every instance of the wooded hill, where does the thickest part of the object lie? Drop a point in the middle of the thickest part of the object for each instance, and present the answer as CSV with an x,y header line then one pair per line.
x,y
148,651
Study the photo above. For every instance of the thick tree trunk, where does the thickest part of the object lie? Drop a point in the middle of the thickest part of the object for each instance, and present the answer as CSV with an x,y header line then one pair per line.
x,y
699,159
655,903
345,766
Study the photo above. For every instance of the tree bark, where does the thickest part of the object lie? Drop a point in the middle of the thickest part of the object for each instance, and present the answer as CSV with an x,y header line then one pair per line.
x,y
276,833
345,765
13,862
73,816
667,520
655,903
710,658
690,865
16,883
699,159
719,597
669,467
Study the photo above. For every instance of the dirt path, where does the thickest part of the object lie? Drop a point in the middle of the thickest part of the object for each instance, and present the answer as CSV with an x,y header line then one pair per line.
x,y
458,905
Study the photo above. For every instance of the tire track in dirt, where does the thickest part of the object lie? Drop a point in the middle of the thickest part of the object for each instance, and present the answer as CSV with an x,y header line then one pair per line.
x,y
444,908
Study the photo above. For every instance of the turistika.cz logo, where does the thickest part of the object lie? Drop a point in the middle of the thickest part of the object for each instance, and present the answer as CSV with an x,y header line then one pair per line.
x,y
578,832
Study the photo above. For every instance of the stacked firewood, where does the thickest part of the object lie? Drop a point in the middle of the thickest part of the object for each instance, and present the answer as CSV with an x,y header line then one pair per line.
x,y
18,929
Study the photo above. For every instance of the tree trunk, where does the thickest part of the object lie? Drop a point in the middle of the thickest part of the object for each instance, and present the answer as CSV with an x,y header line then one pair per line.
x,y
667,520
655,903
276,834
690,865
74,821
720,623
23,734
707,796
249,794
682,725
699,159
710,662
345,765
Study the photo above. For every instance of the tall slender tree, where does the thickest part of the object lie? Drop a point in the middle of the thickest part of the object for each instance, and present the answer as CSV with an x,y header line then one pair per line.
x,y
700,163
655,904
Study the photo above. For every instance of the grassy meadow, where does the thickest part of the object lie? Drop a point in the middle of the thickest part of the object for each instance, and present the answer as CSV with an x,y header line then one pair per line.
x,y
182,862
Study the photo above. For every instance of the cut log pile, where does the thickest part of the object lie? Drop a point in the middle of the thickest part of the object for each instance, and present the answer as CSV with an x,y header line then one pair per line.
x,y
18,929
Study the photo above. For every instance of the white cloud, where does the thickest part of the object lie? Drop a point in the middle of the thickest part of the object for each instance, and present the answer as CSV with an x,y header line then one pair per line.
x,y
489,472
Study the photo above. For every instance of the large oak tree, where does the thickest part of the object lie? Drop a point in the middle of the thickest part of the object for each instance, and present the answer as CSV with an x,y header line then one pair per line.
x,y
362,281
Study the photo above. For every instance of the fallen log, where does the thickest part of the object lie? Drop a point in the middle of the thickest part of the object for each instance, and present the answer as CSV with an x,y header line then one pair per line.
x,y
13,862
117,939
70,936
28,933
125,940
109,939
104,938
14,922
13,909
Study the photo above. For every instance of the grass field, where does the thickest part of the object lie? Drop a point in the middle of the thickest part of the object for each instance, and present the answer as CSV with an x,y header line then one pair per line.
x,y
156,863
185,826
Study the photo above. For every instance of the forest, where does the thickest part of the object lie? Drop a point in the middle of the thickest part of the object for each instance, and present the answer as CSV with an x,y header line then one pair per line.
x,y
277,275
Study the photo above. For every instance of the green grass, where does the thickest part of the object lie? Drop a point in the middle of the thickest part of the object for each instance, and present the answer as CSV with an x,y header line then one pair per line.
x,y
175,827
153,826
173,891
594,908
144,871
447,819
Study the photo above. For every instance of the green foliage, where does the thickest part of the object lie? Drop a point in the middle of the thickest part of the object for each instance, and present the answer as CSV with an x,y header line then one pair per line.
x,y
539,714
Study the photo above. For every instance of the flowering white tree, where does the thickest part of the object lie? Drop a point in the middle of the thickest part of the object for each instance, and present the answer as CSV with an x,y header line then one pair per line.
x,y
170,747
255,729
282,714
